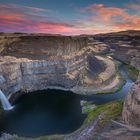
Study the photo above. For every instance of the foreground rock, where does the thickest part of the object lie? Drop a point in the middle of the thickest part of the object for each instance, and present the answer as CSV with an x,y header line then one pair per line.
x,y
131,110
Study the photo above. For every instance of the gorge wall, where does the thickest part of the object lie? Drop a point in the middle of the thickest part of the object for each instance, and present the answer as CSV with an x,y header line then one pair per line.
x,y
39,46
36,62
125,46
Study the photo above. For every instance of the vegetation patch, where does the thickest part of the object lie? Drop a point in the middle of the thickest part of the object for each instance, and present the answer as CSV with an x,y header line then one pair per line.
x,y
110,110
132,72
87,107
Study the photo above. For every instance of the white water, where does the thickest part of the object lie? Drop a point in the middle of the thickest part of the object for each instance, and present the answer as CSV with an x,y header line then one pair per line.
x,y
5,103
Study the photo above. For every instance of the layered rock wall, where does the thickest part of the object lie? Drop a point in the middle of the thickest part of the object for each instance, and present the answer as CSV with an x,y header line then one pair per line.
x,y
30,63
38,75
40,47
131,109
10,77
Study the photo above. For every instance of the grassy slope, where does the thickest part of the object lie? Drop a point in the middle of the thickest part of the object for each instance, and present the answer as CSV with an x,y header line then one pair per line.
x,y
111,111
132,72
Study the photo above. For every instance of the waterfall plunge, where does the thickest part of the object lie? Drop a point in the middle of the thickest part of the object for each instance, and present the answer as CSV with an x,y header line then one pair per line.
x,y
5,103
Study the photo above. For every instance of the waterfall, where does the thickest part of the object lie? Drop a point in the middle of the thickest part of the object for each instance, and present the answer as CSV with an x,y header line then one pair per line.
x,y
4,101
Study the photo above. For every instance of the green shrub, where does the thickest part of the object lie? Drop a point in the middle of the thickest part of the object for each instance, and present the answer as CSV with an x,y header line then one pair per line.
x,y
132,72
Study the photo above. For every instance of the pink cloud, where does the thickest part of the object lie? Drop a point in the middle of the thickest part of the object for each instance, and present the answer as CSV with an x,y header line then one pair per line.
x,y
134,6
20,18
106,13
132,24
102,19
31,26
111,18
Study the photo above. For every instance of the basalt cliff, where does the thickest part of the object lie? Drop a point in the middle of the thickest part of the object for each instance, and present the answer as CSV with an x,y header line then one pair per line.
x,y
30,62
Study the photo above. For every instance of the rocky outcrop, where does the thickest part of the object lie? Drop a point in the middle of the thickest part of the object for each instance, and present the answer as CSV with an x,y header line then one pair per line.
x,y
97,46
120,39
131,110
120,43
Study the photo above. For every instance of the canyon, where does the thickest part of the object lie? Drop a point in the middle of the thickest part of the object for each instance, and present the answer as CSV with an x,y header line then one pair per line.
x,y
83,64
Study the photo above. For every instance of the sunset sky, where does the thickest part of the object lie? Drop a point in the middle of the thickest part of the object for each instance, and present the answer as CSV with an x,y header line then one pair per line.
x,y
69,17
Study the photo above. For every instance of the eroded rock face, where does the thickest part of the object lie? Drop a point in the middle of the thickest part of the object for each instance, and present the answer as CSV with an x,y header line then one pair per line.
x,y
10,77
35,46
37,62
30,75
131,109
124,46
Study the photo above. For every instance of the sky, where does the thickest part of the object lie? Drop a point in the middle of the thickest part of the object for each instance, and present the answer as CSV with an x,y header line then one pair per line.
x,y
69,17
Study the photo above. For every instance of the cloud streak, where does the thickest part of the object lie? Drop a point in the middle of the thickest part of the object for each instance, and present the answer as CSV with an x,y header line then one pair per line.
x,y
98,18
112,18
28,19
106,13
